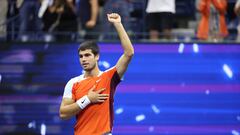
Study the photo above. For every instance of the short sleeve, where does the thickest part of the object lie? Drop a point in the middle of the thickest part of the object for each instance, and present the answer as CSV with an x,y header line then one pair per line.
x,y
68,89
110,72
115,79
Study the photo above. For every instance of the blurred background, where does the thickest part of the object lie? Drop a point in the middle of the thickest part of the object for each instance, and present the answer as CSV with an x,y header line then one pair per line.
x,y
184,78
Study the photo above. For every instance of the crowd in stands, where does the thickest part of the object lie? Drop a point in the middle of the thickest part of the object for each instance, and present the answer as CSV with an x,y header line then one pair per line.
x,y
154,20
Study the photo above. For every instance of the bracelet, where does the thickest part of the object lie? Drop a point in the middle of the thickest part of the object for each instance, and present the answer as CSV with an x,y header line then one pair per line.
x,y
83,102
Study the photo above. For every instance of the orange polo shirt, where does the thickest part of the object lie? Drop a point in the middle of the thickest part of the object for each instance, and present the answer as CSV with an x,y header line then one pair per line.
x,y
95,119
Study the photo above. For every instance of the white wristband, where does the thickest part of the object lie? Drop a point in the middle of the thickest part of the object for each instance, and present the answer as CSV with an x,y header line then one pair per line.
x,y
83,102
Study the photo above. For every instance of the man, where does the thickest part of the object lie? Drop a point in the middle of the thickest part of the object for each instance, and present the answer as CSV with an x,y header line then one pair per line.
x,y
160,16
89,96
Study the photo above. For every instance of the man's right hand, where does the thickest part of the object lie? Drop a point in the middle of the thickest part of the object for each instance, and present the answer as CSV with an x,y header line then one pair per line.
x,y
96,96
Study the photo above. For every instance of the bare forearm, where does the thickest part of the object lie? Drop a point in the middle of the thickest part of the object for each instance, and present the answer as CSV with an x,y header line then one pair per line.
x,y
68,111
94,10
125,41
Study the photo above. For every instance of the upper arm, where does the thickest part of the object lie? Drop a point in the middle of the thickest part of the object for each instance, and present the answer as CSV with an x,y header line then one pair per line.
x,y
122,64
126,44
67,95
66,101
68,89
68,108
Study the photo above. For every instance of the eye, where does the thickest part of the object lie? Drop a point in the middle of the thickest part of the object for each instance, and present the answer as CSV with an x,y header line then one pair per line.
x,y
87,55
80,56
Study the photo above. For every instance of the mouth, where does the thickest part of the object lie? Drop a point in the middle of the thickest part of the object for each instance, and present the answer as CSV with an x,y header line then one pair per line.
x,y
85,64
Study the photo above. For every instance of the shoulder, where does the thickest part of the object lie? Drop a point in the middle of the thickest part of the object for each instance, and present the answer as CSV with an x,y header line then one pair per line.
x,y
111,72
112,69
69,86
75,79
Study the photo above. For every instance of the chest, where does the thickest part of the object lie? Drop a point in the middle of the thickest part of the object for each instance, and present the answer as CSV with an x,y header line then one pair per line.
x,y
82,88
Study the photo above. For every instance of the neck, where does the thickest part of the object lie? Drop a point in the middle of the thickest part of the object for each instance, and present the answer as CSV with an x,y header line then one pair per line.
x,y
93,73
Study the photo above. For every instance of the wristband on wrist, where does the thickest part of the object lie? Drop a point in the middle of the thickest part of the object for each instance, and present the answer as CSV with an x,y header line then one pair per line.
x,y
83,102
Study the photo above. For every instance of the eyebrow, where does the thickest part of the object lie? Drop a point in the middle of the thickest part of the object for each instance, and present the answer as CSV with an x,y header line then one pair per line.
x,y
84,54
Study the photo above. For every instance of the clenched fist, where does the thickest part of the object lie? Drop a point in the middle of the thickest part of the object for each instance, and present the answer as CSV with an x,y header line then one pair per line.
x,y
114,18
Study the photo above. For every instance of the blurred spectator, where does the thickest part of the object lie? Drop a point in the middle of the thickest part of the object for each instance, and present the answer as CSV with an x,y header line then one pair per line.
x,y
160,15
88,14
237,11
122,7
45,4
29,21
60,18
237,7
212,24
3,18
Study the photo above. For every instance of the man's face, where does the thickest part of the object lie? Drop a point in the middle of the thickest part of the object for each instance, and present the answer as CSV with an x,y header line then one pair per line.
x,y
88,60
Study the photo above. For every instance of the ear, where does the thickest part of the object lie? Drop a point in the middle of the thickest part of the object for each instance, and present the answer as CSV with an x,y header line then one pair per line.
x,y
97,57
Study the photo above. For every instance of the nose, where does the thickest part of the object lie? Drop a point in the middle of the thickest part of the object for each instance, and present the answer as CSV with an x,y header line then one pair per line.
x,y
83,59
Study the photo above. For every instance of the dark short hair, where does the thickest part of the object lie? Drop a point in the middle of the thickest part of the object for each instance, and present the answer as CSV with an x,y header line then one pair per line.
x,y
92,45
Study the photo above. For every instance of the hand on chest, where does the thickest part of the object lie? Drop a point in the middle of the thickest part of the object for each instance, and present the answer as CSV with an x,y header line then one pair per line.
x,y
95,83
